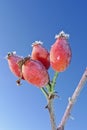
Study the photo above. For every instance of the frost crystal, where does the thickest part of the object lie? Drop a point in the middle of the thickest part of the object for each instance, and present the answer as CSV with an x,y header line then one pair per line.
x,y
62,34
36,43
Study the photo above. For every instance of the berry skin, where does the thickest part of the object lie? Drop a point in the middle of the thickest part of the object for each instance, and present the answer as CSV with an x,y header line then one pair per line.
x,y
60,53
41,54
13,60
35,73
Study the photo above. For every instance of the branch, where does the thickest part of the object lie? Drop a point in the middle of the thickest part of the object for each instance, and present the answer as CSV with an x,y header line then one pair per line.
x,y
72,101
51,113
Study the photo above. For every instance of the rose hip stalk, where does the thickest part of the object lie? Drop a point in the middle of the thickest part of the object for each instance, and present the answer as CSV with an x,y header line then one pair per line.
x,y
35,72
13,60
41,54
60,53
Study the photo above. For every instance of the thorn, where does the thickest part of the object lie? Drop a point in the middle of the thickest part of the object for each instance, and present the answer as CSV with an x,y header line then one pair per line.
x,y
53,95
69,99
71,117
46,106
18,82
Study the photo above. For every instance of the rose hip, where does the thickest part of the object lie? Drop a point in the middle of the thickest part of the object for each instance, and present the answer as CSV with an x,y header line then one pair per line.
x,y
41,54
35,72
13,60
60,53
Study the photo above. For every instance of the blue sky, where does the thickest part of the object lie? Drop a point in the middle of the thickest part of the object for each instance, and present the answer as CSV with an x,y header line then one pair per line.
x,y
21,23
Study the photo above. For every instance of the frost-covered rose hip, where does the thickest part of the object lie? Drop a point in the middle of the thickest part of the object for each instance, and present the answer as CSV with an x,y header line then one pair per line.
x,y
60,53
35,72
13,60
41,54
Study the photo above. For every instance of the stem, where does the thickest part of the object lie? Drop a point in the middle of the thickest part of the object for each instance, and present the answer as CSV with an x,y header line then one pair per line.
x,y
51,113
50,98
45,92
54,81
48,86
72,101
50,101
50,95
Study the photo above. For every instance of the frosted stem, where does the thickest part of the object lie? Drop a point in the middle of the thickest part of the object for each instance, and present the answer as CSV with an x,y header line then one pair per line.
x,y
72,100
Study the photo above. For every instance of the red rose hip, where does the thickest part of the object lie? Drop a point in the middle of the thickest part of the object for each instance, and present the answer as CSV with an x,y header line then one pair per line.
x,y
35,72
13,60
60,53
41,54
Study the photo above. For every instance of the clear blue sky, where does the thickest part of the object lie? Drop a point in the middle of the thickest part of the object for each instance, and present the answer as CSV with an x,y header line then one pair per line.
x,y
21,23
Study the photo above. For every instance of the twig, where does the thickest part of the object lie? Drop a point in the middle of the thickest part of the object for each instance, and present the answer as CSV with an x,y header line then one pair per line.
x,y
51,113
72,100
